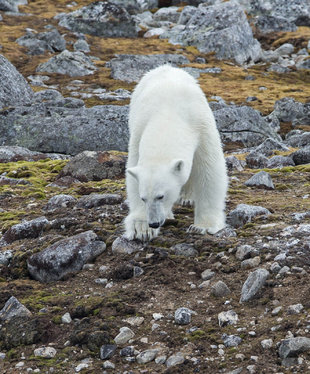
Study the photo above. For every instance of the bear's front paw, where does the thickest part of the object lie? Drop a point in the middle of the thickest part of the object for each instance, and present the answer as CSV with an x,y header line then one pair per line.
x,y
199,229
138,228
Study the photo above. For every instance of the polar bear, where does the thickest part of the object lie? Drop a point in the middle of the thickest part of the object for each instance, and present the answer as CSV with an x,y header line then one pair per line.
x,y
174,154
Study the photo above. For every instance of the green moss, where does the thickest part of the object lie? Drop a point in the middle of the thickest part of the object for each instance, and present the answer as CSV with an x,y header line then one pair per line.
x,y
196,335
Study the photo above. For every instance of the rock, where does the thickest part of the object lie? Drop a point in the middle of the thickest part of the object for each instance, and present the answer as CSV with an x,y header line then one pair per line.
x,y
302,156
95,166
66,318
260,180
245,213
256,160
227,318
15,153
5,257
26,229
250,263
147,356
298,138
13,308
184,249
13,181
170,14
266,343
174,360
37,44
95,200
183,316
121,245
45,352
233,163
243,125
100,18
11,5
254,283
73,64
107,351
74,130
127,351
267,24
14,89
245,252
81,45
108,365
220,289
130,68
59,202
231,340
278,162
293,347
124,335
65,257
134,321
221,28
289,110
268,146
295,309
207,274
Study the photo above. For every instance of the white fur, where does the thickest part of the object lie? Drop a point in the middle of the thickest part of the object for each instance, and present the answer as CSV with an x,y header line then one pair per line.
x,y
175,152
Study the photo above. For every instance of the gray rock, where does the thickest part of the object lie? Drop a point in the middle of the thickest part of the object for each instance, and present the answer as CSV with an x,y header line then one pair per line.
x,y
107,351
124,335
69,63
220,289
250,263
26,229
13,308
183,316
294,346
130,68
227,318
12,181
243,125
245,213
11,5
289,110
254,283
207,274
174,360
15,153
95,166
233,163
267,24
279,162
170,14
231,340
303,63
5,257
260,180
37,44
298,138
81,45
45,352
128,351
121,245
266,343
59,202
221,28
95,200
66,318
302,156
268,146
295,309
147,356
70,130
256,160
137,6
184,249
299,217
65,257
245,252
100,18
14,89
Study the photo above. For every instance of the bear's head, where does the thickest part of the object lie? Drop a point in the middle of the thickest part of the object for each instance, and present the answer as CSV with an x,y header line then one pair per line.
x,y
159,188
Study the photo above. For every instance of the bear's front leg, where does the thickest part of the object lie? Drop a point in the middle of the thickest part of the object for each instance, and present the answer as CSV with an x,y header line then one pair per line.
x,y
207,220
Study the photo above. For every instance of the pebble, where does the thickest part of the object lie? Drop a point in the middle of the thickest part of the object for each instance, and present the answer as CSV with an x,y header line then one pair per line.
x,y
134,321
295,309
2,356
121,245
124,335
66,318
220,289
207,274
158,316
147,356
45,352
227,318
160,359
251,287
108,365
107,351
244,252
101,281
267,343
250,263
174,360
81,366
103,269
183,316
231,340
276,310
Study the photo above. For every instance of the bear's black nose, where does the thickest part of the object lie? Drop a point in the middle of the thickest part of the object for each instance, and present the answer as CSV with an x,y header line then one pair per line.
x,y
154,225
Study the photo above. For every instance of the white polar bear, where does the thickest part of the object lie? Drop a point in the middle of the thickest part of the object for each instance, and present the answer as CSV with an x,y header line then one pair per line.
x,y
175,153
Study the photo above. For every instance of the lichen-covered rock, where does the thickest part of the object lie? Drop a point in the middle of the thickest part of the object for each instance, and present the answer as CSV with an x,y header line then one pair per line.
x,y
95,200
130,68
253,284
245,213
290,110
292,347
59,202
65,257
13,308
298,138
221,28
14,89
267,24
15,153
95,166
260,180
26,229
69,63
302,156
100,18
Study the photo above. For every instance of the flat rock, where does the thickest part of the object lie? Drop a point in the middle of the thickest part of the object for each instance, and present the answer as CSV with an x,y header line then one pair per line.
x,y
147,356
294,346
245,213
95,200
278,162
121,245
260,180
176,359
69,63
45,352
15,153
130,68
100,18
184,249
124,335
231,340
65,257
13,308
107,351
95,166
14,89
12,181
254,283
60,201
298,138
26,229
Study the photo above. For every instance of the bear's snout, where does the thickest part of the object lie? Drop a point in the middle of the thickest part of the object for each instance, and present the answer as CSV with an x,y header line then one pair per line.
x,y
154,225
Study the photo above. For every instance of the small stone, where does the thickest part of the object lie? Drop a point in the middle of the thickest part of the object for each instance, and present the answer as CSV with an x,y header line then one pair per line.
x,y
5,257
81,367
108,365
276,310
121,245
137,271
158,316
250,263
127,351
184,249
231,340
101,281
45,352
204,284
103,269
267,343
275,267
160,359
183,316
146,356
284,270
2,356
245,213
66,318
220,289
227,318
244,252
174,360
251,287
207,274
124,335
261,180
294,346
134,321
295,309
13,308
107,351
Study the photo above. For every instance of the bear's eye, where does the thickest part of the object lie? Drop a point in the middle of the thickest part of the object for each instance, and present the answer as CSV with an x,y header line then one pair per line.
x,y
160,197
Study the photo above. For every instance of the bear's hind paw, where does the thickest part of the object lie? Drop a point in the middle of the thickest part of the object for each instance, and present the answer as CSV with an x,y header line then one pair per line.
x,y
195,229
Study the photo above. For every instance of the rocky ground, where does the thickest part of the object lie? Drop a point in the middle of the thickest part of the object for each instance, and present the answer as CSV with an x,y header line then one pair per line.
x,y
75,296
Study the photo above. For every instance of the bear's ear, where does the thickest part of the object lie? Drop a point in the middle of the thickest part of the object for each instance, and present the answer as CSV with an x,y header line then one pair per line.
x,y
177,166
134,172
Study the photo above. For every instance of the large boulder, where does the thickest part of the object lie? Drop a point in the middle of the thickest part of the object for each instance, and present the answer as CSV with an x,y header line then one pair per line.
x,y
14,89
100,18
47,128
221,28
